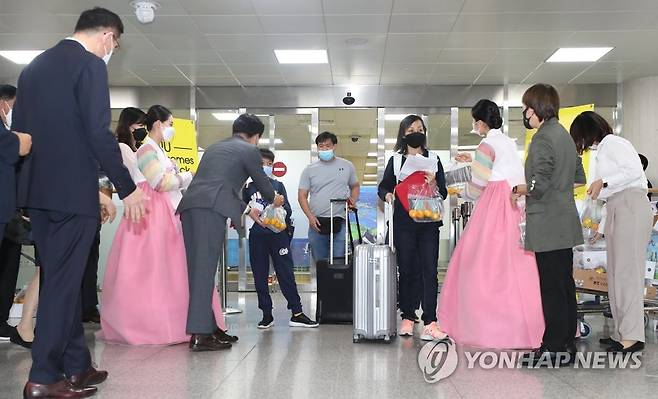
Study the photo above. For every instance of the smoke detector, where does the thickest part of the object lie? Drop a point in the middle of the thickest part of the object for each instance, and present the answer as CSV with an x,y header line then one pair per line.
x,y
145,10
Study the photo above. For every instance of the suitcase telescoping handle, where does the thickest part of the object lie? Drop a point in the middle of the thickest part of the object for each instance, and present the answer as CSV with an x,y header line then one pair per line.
x,y
388,217
348,231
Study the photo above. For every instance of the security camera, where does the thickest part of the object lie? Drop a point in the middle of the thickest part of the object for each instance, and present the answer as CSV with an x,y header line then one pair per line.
x,y
354,137
348,99
145,10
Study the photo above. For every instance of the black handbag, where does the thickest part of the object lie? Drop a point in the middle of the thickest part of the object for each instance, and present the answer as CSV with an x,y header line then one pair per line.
x,y
19,230
325,225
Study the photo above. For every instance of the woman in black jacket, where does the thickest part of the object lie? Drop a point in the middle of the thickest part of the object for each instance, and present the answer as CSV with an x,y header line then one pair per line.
x,y
416,244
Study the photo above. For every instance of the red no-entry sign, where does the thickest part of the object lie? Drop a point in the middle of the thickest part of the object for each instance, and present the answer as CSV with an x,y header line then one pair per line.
x,y
279,169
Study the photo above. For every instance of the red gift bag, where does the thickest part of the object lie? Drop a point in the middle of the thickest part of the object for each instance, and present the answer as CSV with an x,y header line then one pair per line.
x,y
402,189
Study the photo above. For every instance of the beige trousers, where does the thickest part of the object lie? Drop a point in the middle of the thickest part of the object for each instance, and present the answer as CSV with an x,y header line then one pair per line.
x,y
627,234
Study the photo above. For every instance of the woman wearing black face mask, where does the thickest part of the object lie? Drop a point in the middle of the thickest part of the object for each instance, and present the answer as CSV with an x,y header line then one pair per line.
x,y
130,129
417,244
130,133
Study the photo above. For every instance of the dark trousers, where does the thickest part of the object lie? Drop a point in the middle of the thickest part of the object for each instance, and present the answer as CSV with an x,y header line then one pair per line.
x,y
10,259
90,279
64,241
558,296
418,255
276,246
204,232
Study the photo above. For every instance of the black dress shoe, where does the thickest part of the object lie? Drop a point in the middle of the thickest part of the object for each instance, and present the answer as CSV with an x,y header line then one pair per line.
x,y
543,357
607,341
222,336
205,343
89,377
62,390
5,332
18,340
619,348
572,350
92,318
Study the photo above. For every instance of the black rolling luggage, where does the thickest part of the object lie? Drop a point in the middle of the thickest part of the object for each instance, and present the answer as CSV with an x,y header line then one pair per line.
x,y
335,277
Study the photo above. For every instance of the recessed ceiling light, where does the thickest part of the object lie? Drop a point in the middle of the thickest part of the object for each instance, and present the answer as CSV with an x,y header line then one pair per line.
x,y
225,116
21,57
301,56
370,164
369,183
370,175
372,155
579,54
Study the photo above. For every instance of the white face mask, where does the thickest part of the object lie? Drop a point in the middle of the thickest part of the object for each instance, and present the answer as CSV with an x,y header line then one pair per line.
x,y
8,124
107,56
168,133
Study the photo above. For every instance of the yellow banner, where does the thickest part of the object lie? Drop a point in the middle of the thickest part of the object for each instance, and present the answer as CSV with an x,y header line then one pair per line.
x,y
567,115
182,149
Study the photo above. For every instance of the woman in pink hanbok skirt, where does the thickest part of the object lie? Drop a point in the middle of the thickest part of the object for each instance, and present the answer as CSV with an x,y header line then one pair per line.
x,y
490,297
145,291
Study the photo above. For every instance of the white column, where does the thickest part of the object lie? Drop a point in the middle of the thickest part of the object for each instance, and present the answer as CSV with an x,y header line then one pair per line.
x,y
640,119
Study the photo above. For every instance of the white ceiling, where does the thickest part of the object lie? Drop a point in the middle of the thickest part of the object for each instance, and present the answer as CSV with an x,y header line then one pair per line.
x,y
370,42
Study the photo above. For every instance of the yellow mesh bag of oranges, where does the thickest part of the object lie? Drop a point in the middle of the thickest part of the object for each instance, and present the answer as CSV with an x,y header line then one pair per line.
x,y
592,215
274,218
425,203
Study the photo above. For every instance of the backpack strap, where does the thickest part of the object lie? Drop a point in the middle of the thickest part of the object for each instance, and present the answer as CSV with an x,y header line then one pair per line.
x,y
397,165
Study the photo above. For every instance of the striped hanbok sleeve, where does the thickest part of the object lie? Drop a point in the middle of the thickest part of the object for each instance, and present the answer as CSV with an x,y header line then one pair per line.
x,y
480,171
158,178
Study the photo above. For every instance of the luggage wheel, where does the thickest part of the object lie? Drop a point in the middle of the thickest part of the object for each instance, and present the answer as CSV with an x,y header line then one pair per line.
x,y
387,338
356,338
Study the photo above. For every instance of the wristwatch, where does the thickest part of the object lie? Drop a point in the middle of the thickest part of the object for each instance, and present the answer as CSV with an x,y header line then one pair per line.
x,y
605,185
515,189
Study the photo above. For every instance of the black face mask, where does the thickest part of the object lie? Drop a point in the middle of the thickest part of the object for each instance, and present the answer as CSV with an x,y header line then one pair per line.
x,y
415,140
526,121
140,134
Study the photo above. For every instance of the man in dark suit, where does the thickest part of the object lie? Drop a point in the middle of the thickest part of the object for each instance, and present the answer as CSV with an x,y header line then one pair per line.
x,y
13,145
10,252
212,198
63,102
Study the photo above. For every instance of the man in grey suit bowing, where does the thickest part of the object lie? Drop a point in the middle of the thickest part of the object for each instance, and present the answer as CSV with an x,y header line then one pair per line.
x,y
212,198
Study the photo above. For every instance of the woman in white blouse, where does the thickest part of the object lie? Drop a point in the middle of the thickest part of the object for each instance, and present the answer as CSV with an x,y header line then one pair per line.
x,y
621,182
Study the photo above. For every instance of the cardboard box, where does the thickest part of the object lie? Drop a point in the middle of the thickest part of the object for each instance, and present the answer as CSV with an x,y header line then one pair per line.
x,y
589,259
651,292
590,279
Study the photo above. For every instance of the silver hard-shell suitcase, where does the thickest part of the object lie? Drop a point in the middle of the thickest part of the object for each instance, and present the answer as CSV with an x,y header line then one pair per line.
x,y
375,288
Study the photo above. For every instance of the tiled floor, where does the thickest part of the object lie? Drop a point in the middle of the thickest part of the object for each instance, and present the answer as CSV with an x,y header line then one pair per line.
x,y
324,363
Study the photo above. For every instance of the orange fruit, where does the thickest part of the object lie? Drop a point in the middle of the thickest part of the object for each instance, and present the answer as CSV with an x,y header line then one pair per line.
x,y
428,214
436,216
412,213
